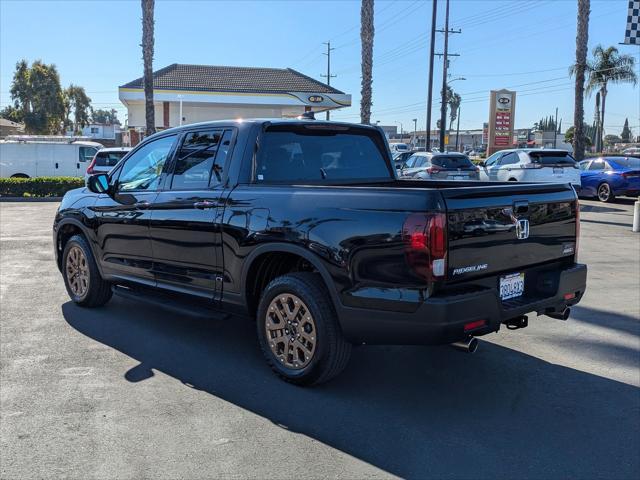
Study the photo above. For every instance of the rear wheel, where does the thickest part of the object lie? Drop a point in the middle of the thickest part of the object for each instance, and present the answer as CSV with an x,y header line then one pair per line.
x,y
82,278
605,194
298,330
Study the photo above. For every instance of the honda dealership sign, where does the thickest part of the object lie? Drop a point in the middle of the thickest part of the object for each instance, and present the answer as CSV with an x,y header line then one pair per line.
x,y
501,120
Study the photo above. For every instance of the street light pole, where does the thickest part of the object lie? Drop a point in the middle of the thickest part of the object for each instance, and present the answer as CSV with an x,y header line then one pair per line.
x,y
415,131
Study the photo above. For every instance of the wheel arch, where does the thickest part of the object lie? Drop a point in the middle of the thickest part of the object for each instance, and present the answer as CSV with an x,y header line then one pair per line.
x,y
255,259
67,228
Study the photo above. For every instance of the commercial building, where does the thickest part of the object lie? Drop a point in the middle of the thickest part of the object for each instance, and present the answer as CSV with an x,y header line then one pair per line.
x,y
195,93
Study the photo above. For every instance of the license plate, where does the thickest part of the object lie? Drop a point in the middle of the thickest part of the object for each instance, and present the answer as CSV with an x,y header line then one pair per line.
x,y
459,177
511,286
558,170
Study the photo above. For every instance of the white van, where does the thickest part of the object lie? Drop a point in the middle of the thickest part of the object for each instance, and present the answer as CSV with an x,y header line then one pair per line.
x,y
27,157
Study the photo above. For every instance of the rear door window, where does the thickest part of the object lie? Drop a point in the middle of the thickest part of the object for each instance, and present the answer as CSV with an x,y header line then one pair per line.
x,y
510,159
452,162
195,160
550,159
597,165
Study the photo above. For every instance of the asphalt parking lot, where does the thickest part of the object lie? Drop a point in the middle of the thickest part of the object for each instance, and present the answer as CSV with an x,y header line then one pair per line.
x,y
131,391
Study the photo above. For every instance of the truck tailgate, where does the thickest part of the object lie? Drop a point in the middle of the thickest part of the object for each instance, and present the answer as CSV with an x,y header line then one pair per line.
x,y
504,228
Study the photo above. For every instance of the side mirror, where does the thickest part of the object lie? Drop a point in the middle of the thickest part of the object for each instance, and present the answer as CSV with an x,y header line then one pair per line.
x,y
481,164
98,183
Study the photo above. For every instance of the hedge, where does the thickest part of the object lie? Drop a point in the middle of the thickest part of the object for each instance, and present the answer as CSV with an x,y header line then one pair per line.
x,y
38,187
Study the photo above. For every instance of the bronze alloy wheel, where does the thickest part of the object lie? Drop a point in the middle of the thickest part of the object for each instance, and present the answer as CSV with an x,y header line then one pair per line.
x,y
77,270
291,331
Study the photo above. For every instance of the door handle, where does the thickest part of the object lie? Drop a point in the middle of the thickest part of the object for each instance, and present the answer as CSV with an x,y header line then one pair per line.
x,y
56,164
204,204
78,166
142,205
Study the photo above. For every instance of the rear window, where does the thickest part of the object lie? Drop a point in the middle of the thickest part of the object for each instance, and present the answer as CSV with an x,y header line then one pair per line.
x,y
628,162
309,153
109,159
552,158
451,162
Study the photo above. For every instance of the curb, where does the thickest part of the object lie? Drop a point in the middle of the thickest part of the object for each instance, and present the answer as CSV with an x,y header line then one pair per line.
x,y
30,199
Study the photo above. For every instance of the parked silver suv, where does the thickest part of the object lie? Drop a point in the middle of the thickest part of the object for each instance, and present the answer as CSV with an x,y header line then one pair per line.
x,y
439,166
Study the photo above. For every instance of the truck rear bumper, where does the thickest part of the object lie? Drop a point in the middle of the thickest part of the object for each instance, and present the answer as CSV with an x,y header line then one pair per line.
x,y
442,319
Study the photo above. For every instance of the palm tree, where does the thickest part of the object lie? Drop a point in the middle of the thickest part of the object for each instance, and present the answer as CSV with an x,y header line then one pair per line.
x,y
582,38
454,100
608,66
366,39
147,57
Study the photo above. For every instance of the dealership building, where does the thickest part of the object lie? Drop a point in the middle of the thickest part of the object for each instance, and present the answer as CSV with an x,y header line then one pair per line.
x,y
195,93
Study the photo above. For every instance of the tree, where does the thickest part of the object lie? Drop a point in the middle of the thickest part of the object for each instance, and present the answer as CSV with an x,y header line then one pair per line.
x,y
109,117
147,58
37,95
366,39
608,66
569,135
453,100
578,69
77,101
11,113
610,140
626,132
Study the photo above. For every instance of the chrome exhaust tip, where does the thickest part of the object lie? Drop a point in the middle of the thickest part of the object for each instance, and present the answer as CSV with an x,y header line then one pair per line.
x,y
469,345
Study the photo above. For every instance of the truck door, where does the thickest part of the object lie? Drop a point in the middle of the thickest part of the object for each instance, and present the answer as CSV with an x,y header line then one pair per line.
x,y
184,228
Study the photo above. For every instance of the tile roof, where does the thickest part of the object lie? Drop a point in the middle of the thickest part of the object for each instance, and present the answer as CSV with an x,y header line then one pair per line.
x,y
208,78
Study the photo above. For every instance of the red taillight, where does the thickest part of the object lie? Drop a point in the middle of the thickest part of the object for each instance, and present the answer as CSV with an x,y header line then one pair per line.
x,y
433,169
531,165
425,236
631,174
569,296
577,230
92,164
474,325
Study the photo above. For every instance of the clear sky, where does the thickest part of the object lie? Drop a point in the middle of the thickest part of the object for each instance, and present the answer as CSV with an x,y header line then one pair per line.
x,y
524,45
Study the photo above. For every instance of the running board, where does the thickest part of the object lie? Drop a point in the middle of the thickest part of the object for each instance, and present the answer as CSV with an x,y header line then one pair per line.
x,y
181,304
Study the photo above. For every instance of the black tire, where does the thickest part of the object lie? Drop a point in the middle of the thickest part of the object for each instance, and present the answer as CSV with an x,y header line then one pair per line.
x,y
604,193
513,180
19,175
332,351
98,291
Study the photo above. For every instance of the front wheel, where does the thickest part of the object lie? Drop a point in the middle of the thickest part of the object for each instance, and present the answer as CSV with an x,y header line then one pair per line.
x,y
82,278
605,194
298,330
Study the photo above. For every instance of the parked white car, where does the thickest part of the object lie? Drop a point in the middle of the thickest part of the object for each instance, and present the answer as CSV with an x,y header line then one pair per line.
x,y
531,165
28,157
105,159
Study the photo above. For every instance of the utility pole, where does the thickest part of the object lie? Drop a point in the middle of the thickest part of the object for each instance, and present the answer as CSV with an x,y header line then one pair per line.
x,y
415,131
328,76
555,130
430,87
458,127
445,57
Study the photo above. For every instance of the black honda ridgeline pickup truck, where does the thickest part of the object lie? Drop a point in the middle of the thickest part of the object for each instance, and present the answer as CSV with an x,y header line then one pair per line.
x,y
303,225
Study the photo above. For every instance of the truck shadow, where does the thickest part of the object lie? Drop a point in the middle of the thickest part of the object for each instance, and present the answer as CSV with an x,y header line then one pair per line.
x,y
412,411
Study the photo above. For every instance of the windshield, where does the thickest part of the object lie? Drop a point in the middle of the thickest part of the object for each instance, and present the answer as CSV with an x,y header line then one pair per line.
x,y
317,154
451,161
552,158
627,162
109,159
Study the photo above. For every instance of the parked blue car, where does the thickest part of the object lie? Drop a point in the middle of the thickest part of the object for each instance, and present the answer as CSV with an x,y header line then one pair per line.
x,y
608,177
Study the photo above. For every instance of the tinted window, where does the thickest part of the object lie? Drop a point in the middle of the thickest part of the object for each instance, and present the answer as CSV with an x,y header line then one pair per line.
x,y
552,158
108,159
597,166
583,165
86,153
195,160
142,170
451,162
412,161
628,162
314,154
510,159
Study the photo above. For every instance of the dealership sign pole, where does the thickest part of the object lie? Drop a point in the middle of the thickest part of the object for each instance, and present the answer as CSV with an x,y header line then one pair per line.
x,y
501,120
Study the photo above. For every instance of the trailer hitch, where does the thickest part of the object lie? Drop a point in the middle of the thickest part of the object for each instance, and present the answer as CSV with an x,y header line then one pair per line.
x,y
517,322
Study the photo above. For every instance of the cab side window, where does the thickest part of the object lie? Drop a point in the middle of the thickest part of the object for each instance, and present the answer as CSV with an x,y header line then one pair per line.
x,y
509,159
492,159
195,160
142,169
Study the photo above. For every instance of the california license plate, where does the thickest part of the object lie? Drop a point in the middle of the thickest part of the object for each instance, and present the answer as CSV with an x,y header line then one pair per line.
x,y
558,170
511,286
459,177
